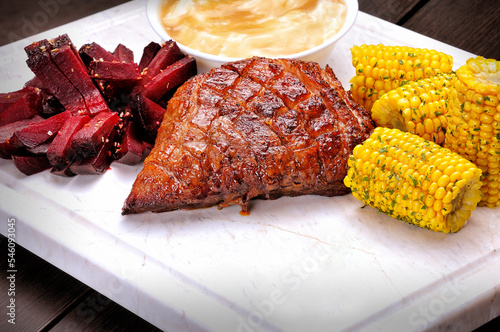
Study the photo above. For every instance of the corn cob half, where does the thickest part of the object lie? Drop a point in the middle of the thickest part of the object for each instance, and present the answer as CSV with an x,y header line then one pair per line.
x,y
411,179
418,107
474,122
381,68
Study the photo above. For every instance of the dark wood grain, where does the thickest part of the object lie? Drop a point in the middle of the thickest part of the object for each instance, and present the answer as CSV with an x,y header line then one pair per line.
x,y
21,19
98,313
390,10
42,291
48,299
473,26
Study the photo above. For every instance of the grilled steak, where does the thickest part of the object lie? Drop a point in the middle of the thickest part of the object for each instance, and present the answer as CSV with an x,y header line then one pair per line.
x,y
255,128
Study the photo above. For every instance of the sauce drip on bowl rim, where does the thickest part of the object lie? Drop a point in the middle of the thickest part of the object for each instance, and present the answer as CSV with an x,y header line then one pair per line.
x,y
243,28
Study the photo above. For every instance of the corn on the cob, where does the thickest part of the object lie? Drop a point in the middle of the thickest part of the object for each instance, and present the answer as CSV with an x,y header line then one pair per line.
x,y
474,122
418,107
415,180
380,69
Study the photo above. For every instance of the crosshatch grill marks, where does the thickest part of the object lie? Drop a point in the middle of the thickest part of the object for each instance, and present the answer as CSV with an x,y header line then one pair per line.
x,y
255,128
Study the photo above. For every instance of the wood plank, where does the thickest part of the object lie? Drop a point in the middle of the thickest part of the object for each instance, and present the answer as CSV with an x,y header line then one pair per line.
x,y
473,26
42,291
21,19
98,313
49,299
493,325
392,10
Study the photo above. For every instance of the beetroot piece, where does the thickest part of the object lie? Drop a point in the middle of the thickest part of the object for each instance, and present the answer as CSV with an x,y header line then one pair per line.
x,y
9,98
40,62
167,55
70,64
35,82
115,71
94,51
173,76
116,92
63,40
163,102
59,152
39,149
26,106
148,54
30,165
86,108
131,149
62,171
98,163
123,53
148,115
39,133
50,104
6,133
88,140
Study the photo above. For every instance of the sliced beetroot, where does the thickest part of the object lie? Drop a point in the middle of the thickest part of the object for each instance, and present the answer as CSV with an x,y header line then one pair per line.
x,y
167,55
95,165
26,106
73,68
30,165
40,62
98,163
148,54
35,82
163,102
7,132
101,94
63,171
39,149
114,71
59,152
50,104
148,114
64,40
39,133
94,51
131,149
123,53
88,140
170,78
7,99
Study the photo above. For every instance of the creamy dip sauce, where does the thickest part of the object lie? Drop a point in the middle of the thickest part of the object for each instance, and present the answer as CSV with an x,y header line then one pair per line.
x,y
243,28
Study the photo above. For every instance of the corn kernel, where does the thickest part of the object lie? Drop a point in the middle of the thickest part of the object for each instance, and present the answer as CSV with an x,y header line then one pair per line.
x,y
390,65
443,180
401,186
414,107
440,193
448,198
438,205
474,98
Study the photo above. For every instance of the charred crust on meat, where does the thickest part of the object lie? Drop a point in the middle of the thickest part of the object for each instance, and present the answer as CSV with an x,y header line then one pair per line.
x,y
256,128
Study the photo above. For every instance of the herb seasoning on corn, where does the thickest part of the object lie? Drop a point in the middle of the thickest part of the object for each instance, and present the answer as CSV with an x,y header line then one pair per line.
x,y
415,180
418,107
381,68
473,122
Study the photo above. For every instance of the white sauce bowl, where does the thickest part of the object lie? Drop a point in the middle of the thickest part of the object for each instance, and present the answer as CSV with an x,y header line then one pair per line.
x,y
207,61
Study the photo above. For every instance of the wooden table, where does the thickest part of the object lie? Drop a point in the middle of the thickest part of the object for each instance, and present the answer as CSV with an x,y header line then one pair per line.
x,y
49,299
